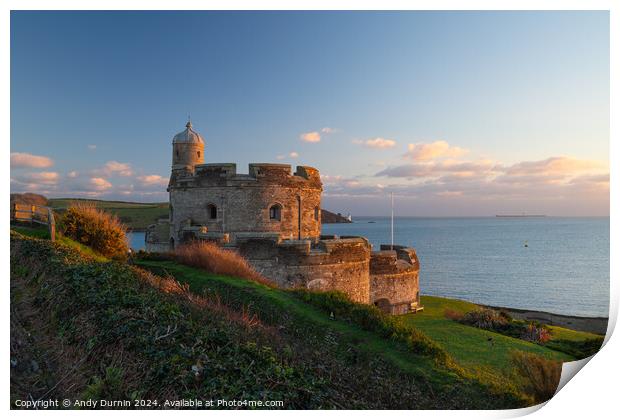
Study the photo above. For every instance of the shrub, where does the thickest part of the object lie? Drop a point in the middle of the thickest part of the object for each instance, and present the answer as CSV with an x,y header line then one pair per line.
x,y
99,230
542,375
453,315
536,334
212,258
487,319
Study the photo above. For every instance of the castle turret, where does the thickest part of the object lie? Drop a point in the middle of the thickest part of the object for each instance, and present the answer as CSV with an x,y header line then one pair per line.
x,y
187,149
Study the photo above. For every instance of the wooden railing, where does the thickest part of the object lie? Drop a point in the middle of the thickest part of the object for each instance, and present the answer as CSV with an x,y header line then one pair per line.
x,y
34,214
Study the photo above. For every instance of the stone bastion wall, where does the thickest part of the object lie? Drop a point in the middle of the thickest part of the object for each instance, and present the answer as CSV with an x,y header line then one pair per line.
x,y
394,279
269,199
387,278
329,264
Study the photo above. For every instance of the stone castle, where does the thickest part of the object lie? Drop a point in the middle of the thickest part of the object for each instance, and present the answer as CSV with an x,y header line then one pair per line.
x,y
272,217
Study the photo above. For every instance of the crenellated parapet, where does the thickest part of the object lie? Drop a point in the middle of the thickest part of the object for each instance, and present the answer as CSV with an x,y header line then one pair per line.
x,y
333,264
394,279
259,174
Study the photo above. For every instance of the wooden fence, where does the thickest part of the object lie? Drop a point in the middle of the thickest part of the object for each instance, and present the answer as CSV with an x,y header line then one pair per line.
x,y
34,214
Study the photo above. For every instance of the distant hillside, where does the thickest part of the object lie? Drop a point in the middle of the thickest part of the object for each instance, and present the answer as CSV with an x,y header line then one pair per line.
x,y
329,217
29,198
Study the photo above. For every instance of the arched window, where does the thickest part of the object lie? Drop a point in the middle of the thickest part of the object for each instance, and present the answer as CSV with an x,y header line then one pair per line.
x,y
198,153
317,213
171,243
275,212
212,211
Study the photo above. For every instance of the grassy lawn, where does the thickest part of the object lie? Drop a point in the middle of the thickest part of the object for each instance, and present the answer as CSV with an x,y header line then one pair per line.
x,y
481,352
137,216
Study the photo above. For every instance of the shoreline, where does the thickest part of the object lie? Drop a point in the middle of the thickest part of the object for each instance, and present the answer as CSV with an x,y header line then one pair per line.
x,y
590,324
595,325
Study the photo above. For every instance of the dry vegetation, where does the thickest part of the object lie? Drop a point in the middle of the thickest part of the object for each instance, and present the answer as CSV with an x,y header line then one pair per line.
x,y
97,229
543,375
212,258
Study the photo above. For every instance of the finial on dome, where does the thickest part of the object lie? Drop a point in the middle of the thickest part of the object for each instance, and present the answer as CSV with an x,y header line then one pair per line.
x,y
189,122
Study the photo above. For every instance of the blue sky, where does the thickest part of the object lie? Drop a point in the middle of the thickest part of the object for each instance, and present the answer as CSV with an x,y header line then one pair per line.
x,y
457,113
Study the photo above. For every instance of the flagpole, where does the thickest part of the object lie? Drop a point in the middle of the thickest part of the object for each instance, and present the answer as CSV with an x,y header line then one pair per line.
x,y
392,222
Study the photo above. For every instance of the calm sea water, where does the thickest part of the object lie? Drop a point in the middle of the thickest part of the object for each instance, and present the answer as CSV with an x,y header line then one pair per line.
x,y
564,269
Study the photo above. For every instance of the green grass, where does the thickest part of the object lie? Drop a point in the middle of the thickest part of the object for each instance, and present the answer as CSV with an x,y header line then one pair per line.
x,y
112,319
136,216
41,232
37,231
481,352
273,305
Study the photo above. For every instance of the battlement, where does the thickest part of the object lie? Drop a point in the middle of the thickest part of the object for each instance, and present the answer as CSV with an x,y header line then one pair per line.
x,y
267,173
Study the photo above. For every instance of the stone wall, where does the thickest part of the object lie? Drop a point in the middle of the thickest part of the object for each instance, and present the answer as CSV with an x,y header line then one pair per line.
x,y
333,264
394,279
242,202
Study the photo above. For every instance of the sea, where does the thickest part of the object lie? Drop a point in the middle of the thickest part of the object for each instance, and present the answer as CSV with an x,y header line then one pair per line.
x,y
552,264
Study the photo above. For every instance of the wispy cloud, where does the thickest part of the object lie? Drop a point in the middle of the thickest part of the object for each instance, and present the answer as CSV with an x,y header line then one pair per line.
x,y
311,137
114,167
27,160
92,146
434,150
376,143
152,180
100,184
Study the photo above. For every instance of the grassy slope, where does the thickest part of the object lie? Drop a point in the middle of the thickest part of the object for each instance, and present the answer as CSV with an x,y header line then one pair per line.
x,y
112,323
136,216
271,304
479,351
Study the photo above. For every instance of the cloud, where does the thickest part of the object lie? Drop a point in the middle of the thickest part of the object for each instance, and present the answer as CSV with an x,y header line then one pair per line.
x,y
435,169
311,137
72,174
327,130
148,180
100,184
376,143
554,165
46,178
114,167
430,151
26,160
92,146
294,155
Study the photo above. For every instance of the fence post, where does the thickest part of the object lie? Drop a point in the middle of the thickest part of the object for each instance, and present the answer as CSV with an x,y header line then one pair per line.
x,y
51,223
32,214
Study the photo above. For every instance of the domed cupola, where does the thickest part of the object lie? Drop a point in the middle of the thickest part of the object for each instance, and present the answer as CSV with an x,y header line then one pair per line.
x,y
188,135
187,149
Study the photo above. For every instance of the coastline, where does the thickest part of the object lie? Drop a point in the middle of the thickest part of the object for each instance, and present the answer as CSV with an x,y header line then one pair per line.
x,y
595,325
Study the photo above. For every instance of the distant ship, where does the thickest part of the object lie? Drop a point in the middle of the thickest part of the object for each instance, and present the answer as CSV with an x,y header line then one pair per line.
x,y
521,215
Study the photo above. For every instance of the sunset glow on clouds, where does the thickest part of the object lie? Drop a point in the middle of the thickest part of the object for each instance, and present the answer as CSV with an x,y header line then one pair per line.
x,y
376,143
524,128
26,160
108,181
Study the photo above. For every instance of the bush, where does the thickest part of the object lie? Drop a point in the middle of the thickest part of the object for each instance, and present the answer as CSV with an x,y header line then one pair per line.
x,y
536,334
487,319
453,315
99,230
542,375
212,258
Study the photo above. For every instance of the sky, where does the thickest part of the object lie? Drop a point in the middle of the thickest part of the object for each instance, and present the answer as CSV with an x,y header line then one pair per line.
x,y
455,113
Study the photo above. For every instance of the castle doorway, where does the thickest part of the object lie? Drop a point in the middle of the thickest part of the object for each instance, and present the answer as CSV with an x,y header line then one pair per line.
x,y
384,305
